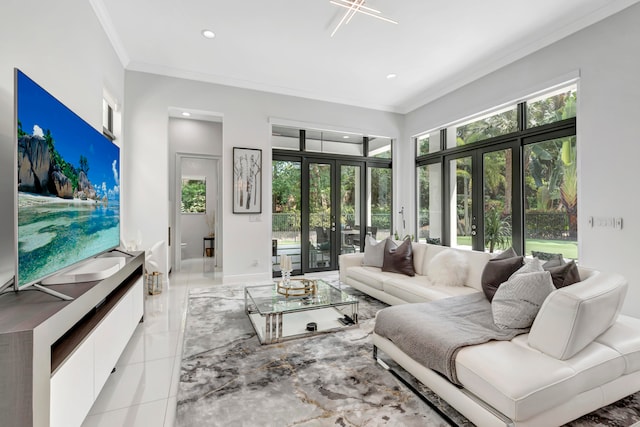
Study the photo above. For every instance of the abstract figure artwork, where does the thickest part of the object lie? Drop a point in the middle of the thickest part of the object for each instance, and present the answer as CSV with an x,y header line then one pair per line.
x,y
247,180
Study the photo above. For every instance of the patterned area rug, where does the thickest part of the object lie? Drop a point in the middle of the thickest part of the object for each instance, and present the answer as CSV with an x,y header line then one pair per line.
x,y
229,379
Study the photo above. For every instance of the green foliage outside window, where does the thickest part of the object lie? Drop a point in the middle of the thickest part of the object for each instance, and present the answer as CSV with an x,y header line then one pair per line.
x,y
194,199
552,109
487,127
286,186
423,146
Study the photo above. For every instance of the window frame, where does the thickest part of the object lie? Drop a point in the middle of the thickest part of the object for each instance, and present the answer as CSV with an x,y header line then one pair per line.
x,y
517,141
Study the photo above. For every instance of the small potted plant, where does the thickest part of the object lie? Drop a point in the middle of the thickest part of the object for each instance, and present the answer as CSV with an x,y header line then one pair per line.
x,y
497,231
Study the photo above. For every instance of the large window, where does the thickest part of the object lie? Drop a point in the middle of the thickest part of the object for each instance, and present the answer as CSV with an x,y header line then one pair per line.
x,y
379,147
427,143
551,198
509,178
488,126
552,107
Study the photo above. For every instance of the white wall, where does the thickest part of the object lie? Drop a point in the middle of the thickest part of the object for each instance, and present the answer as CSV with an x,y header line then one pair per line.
x,y
246,115
606,57
62,47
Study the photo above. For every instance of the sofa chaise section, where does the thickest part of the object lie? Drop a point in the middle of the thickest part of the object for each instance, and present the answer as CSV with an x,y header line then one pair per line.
x,y
579,355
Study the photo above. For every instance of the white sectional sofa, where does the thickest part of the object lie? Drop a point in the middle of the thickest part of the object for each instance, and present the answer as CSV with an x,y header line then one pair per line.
x,y
579,355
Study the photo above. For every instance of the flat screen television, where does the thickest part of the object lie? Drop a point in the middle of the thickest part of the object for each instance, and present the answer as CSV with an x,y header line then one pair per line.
x,y
68,187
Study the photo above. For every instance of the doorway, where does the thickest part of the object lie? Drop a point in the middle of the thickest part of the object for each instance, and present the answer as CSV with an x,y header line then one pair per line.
x,y
197,227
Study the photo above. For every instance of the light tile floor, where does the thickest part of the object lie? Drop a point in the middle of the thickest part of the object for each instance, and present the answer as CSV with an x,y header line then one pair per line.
x,y
143,389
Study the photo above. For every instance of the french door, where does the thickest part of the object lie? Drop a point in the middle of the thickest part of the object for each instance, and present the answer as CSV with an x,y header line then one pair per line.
x,y
482,185
318,207
333,210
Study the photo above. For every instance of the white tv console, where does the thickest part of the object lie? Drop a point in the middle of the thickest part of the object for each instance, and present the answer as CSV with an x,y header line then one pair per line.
x,y
55,356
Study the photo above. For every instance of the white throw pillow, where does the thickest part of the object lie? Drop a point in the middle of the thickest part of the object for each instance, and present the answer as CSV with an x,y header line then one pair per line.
x,y
448,268
518,300
373,252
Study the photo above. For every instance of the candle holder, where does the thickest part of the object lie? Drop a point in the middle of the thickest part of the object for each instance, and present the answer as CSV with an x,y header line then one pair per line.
x,y
298,288
286,277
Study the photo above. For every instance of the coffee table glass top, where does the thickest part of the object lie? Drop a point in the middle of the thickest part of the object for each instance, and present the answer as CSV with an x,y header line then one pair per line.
x,y
266,299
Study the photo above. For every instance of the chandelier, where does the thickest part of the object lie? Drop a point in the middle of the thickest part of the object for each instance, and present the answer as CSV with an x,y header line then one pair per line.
x,y
353,7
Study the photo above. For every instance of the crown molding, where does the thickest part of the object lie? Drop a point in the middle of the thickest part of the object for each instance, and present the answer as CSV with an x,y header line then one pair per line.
x,y
107,25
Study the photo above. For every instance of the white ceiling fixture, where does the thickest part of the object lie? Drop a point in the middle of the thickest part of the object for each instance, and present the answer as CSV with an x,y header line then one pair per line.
x,y
353,7
208,34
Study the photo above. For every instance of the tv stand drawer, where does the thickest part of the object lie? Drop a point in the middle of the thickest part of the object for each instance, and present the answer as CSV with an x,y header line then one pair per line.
x,y
76,384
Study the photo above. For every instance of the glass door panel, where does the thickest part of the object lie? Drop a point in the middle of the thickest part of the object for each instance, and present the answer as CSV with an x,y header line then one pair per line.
x,y
350,211
379,204
462,221
286,210
321,215
497,196
430,203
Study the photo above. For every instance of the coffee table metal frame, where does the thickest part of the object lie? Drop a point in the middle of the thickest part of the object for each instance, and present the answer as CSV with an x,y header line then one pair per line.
x,y
272,307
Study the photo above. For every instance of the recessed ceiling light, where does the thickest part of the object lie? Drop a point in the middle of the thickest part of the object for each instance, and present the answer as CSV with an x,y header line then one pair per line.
x,y
208,34
186,114
345,136
391,76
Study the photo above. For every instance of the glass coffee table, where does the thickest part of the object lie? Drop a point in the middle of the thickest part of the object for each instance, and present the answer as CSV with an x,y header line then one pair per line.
x,y
276,317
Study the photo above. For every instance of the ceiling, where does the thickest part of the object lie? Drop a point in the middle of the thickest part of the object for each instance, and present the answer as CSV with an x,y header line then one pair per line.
x,y
285,46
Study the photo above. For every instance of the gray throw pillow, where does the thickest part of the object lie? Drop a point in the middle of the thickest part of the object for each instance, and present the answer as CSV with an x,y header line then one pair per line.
x,y
398,259
517,301
564,274
373,252
498,270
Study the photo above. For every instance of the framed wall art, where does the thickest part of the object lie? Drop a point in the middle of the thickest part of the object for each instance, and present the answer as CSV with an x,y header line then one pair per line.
x,y
247,180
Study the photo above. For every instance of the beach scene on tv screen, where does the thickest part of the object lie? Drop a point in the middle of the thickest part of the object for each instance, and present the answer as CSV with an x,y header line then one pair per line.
x,y
68,186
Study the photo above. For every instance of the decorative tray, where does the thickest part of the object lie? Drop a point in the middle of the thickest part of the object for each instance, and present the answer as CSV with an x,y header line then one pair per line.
x,y
297,288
